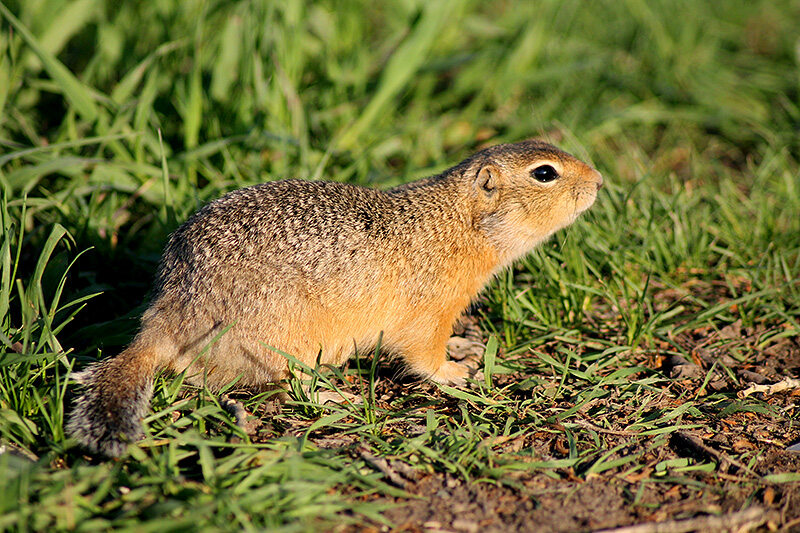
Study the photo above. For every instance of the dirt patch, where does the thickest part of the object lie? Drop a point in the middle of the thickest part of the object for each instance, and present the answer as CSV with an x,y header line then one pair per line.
x,y
541,504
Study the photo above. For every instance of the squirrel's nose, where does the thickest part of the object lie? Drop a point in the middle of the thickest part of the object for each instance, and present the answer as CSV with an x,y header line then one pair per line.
x,y
599,180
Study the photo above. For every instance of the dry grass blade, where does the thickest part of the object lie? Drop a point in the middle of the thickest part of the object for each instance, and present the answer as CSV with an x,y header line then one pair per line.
x,y
740,521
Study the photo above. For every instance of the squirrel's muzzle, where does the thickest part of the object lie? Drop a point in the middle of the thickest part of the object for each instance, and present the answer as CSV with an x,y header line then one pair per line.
x,y
599,180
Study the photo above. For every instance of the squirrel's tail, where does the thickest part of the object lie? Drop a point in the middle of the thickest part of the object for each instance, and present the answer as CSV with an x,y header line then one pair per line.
x,y
116,395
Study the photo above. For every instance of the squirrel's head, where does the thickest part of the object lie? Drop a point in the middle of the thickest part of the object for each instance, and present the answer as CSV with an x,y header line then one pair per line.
x,y
526,191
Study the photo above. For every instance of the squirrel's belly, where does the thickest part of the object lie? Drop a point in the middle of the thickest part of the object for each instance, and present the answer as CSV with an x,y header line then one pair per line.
x,y
250,351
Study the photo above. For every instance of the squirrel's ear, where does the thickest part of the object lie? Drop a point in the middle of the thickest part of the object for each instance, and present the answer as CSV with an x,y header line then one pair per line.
x,y
488,179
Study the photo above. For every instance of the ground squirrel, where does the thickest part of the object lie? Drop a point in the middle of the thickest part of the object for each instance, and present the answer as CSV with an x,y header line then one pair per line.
x,y
318,268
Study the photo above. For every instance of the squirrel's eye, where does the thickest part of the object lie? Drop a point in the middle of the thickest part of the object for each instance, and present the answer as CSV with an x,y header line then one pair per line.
x,y
544,173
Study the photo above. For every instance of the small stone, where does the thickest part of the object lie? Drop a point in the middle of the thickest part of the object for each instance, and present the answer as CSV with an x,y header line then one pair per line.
x,y
676,367
732,331
465,525
752,377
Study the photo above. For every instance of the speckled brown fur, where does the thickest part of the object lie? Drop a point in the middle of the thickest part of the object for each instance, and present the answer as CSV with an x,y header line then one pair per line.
x,y
321,267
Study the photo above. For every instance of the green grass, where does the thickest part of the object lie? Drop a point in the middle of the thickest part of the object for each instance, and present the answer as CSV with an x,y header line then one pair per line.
x,y
118,121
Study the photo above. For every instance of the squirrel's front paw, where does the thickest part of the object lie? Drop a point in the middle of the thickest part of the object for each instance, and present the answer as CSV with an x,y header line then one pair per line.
x,y
454,373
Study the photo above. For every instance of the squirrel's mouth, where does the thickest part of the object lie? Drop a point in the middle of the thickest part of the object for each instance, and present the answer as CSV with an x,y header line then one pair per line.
x,y
586,194
584,199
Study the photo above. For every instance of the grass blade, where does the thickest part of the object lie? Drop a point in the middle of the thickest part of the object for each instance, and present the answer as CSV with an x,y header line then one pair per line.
x,y
75,91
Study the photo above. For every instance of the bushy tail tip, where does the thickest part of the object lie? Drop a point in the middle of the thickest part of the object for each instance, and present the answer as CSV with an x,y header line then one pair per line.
x,y
116,395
